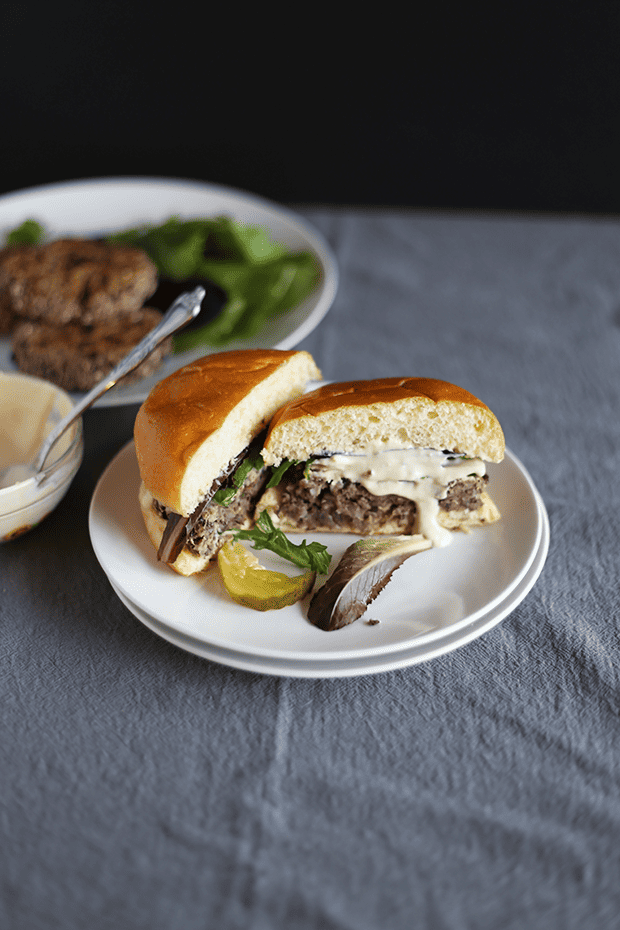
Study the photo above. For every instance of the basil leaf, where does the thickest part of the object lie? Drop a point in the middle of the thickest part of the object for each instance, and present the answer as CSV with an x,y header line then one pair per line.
x,y
265,536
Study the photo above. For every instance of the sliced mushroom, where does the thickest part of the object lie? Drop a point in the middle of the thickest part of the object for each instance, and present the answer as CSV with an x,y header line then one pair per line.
x,y
363,571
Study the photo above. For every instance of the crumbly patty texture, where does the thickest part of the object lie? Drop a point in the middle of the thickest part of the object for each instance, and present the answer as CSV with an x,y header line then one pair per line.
x,y
208,533
7,320
76,357
301,504
74,279
8,317
207,536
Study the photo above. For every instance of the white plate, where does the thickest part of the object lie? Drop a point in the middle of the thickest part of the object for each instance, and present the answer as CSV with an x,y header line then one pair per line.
x,y
101,206
437,601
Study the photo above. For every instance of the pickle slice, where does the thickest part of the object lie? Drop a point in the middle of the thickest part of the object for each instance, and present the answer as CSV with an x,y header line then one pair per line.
x,y
250,584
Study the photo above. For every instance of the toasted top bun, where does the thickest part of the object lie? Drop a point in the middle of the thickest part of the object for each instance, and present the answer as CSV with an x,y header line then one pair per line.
x,y
353,416
195,421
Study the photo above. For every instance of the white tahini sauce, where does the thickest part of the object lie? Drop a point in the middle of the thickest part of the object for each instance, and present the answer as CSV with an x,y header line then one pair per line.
x,y
421,475
27,411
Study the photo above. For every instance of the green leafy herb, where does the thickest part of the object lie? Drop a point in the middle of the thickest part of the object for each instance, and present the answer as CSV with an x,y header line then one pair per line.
x,y
176,247
29,233
279,472
225,495
256,293
260,277
305,555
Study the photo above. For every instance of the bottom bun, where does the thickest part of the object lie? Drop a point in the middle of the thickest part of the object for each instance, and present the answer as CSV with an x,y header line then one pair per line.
x,y
466,520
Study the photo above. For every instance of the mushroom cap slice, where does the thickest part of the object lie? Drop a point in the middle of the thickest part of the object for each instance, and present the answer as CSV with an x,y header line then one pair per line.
x,y
363,571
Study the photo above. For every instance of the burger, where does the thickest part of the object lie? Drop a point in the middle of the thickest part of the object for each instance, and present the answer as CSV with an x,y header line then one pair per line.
x,y
397,456
198,438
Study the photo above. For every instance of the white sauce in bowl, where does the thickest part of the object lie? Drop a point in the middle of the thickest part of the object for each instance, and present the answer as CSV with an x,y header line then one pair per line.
x,y
29,410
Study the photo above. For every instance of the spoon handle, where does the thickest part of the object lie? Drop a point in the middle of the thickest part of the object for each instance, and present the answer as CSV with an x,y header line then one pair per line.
x,y
184,309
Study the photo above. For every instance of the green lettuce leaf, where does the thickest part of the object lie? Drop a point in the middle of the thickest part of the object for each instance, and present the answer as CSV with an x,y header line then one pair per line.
x,y
260,277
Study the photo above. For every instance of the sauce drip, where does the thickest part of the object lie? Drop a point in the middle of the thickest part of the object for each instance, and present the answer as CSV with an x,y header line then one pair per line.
x,y
421,475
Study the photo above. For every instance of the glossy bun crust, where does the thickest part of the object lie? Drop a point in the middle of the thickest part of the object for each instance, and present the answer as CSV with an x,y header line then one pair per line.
x,y
198,419
398,412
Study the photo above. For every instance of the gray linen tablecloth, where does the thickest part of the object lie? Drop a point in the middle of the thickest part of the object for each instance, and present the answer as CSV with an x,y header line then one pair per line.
x,y
143,787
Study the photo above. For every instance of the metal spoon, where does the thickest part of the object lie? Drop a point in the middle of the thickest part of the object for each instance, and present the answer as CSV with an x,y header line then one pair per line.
x,y
184,309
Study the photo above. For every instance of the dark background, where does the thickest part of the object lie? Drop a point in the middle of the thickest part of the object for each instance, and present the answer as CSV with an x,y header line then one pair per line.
x,y
453,108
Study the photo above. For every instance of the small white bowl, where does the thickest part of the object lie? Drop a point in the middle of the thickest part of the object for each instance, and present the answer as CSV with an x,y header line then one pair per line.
x,y
29,409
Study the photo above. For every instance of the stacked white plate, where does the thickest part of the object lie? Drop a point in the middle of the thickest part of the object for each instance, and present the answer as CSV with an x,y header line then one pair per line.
x,y
437,601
